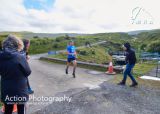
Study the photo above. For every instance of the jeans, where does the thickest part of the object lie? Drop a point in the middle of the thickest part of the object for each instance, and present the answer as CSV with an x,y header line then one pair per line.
x,y
128,71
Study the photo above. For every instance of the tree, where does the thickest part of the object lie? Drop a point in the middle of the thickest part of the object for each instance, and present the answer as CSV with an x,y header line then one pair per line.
x,y
154,46
67,37
35,36
143,46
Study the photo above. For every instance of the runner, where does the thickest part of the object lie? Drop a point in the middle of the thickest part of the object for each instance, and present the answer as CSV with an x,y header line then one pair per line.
x,y
72,55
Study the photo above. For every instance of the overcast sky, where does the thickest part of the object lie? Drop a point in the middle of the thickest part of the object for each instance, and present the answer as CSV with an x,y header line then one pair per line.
x,y
79,16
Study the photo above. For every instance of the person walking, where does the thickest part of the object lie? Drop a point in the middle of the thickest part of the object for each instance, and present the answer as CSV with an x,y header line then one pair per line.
x,y
130,63
25,52
71,57
14,71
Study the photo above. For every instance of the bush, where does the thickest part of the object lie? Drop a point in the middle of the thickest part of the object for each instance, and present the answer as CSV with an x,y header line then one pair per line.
x,y
35,37
59,39
154,46
143,46
83,52
67,37
93,52
55,45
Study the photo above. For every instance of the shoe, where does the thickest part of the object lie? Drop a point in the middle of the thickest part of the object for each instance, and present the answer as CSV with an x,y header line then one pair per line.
x,y
134,84
121,83
74,76
30,91
66,71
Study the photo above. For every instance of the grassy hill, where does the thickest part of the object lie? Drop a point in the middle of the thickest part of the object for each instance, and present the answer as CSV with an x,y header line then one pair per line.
x,y
29,35
149,36
149,40
43,42
94,54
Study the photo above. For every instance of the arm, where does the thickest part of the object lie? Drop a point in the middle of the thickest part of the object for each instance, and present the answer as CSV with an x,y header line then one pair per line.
x,y
0,68
127,57
75,53
24,66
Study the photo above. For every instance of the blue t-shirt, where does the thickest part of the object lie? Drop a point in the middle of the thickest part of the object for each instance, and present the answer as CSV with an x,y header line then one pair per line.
x,y
72,50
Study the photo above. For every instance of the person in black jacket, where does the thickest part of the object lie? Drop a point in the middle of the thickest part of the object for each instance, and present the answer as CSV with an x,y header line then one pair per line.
x,y
14,70
130,60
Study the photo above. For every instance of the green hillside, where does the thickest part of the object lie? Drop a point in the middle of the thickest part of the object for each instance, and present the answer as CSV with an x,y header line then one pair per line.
x,y
94,54
43,42
149,41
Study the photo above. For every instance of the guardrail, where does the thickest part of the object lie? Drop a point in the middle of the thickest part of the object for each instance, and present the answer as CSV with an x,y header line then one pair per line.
x,y
88,65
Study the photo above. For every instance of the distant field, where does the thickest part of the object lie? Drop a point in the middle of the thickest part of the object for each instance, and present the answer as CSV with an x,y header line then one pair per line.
x,y
43,42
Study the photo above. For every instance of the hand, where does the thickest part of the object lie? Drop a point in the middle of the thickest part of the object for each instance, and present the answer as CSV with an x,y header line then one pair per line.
x,y
28,57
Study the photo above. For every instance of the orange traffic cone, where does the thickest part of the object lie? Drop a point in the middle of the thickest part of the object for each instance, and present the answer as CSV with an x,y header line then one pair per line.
x,y
14,108
3,109
110,69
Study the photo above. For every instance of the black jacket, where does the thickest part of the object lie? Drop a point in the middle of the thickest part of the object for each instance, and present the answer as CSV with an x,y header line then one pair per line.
x,y
14,70
130,56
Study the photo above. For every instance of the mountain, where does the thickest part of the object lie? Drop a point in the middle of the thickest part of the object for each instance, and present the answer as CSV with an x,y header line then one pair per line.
x,y
136,32
149,36
25,34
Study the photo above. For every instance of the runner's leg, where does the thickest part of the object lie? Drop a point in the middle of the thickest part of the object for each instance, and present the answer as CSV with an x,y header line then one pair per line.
x,y
68,63
74,67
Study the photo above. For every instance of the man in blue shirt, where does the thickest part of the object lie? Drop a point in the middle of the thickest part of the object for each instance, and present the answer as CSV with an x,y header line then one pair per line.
x,y
71,57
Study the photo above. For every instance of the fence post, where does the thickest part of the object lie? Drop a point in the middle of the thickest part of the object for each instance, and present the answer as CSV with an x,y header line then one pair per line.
x,y
157,71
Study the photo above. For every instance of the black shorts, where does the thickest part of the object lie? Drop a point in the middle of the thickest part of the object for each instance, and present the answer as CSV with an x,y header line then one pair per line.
x,y
70,59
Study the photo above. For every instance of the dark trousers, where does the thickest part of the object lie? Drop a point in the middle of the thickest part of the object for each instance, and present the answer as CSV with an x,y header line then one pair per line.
x,y
128,71
20,108
28,84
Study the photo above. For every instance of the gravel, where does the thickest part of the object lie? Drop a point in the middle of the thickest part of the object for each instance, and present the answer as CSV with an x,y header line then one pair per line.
x,y
108,99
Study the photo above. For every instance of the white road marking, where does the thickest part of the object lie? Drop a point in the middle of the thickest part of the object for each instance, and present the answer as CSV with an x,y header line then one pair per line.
x,y
150,78
91,86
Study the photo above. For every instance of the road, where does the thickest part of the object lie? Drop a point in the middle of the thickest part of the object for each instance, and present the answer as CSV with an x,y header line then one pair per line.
x,y
48,79
91,92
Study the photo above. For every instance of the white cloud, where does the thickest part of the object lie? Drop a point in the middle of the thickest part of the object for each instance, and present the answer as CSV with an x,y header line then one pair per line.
x,y
87,16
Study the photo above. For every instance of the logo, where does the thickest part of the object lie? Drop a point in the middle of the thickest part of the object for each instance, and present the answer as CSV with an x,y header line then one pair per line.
x,y
141,16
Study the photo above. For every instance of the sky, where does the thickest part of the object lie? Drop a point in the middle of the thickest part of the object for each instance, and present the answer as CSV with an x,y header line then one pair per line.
x,y
79,16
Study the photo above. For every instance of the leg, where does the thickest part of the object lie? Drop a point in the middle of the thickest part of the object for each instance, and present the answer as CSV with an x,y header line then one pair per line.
x,y
123,82
132,78
134,82
21,108
74,67
8,108
68,64
28,84
125,75
30,91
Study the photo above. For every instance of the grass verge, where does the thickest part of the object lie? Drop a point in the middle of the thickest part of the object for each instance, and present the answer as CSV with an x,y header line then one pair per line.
x,y
141,82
